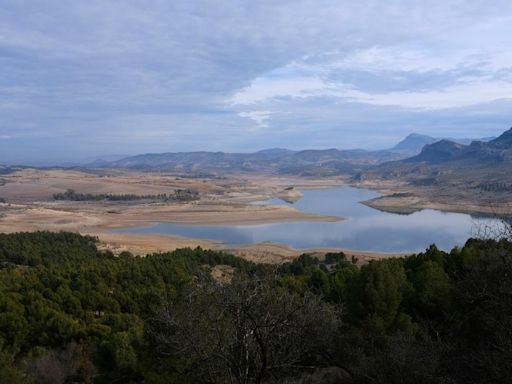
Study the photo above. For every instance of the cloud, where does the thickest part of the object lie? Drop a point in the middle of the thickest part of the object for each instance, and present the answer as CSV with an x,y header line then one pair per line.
x,y
259,117
394,76
262,89
149,76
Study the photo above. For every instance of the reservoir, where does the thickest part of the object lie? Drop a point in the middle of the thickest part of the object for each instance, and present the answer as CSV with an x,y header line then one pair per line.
x,y
364,228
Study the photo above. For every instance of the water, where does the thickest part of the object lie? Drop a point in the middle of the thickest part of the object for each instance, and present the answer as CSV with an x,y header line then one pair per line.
x,y
365,228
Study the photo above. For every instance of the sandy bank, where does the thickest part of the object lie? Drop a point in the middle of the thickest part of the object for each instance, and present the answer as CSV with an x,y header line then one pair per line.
x,y
99,217
146,244
270,253
410,204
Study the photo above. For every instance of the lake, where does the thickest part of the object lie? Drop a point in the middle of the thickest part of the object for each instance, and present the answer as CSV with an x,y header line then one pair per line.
x,y
364,229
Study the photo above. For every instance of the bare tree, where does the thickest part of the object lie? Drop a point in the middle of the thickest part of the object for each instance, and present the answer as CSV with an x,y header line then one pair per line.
x,y
498,228
246,331
59,366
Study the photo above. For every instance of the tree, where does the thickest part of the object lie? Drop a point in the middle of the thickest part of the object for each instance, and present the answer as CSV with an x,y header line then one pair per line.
x,y
376,296
245,331
483,316
498,229
9,373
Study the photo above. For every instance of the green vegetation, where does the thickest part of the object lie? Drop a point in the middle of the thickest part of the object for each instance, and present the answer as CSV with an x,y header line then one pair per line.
x,y
177,195
72,313
495,187
6,170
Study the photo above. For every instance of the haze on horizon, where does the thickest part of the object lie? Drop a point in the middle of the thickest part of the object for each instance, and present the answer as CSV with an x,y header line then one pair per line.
x,y
85,79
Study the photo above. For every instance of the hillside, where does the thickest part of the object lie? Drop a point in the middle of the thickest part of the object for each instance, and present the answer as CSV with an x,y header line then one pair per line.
x,y
72,313
445,171
413,143
306,162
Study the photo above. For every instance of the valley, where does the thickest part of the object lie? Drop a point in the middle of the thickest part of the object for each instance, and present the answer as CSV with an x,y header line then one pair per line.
x,y
30,205
207,189
255,192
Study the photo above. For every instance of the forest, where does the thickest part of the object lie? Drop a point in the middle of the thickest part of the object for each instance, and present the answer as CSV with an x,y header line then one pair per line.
x,y
71,313
176,195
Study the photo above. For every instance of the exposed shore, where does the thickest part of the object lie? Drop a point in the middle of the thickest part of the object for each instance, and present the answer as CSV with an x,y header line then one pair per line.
x,y
402,198
410,204
224,201
270,253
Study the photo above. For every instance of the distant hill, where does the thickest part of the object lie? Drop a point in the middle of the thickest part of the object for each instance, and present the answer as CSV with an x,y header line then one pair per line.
x,y
275,152
438,152
504,141
309,162
276,160
478,168
6,169
413,143
495,151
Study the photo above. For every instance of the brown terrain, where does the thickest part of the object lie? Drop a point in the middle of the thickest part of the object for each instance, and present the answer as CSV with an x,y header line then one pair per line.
x,y
449,176
403,197
30,206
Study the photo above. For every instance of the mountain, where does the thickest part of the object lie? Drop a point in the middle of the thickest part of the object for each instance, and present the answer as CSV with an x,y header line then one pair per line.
x,y
504,141
102,159
309,162
413,143
275,160
447,175
438,152
474,166
494,151
469,141
275,152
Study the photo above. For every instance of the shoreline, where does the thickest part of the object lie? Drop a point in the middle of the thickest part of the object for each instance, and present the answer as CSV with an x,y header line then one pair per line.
x,y
266,252
225,201
404,198
394,205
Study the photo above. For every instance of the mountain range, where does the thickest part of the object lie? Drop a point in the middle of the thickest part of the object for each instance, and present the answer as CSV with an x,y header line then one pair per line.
x,y
484,166
497,151
413,149
415,142
310,162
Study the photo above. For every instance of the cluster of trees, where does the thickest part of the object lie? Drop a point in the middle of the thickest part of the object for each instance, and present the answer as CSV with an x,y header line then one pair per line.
x,y
5,170
496,187
177,195
72,313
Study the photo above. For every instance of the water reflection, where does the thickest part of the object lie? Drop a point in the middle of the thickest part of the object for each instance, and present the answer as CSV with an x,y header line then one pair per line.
x,y
365,228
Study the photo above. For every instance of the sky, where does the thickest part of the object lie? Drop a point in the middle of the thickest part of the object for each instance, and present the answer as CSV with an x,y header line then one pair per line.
x,y
85,79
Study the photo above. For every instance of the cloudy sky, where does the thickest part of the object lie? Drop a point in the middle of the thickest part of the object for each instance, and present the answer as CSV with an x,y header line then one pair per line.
x,y
80,79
